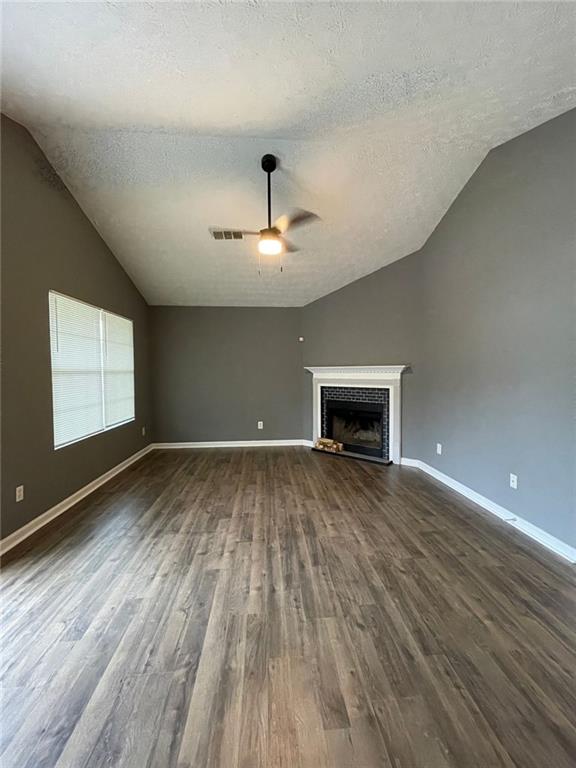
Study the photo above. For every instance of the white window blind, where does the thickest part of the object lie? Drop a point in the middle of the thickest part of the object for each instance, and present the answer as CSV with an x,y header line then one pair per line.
x,y
92,369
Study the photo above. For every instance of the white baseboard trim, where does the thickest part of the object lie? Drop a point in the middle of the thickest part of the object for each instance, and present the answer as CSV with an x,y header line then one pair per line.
x,y
482,501
236,444
537,534
18,536
545,539
410,462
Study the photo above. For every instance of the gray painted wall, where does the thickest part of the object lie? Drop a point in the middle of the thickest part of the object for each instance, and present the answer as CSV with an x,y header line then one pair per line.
x,y
485,312
48,243
218,371
500,324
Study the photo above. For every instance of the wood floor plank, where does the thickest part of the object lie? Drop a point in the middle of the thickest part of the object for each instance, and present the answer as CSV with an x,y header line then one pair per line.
x,y
277,608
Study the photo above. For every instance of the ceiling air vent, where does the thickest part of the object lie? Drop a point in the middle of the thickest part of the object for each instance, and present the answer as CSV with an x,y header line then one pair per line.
x,y
226,234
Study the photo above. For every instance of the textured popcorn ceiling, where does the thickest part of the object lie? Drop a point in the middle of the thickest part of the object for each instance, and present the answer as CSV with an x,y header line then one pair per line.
x,y
156,115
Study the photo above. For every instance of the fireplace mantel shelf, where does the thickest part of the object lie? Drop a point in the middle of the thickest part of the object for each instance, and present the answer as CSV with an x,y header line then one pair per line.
x,y
381,372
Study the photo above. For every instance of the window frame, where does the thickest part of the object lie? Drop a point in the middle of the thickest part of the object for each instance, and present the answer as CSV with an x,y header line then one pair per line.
x,y
102,370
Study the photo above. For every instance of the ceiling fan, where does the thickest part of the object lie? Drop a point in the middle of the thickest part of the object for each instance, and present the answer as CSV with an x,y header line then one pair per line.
x,y
271,240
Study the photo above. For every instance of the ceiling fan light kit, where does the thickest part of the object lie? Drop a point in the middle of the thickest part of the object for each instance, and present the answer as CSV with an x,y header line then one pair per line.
x,y
269,243
271,240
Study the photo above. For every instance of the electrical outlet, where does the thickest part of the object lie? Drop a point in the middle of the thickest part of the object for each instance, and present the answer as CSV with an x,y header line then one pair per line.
x,y
513,481
438,448
143,431
19,493
260,425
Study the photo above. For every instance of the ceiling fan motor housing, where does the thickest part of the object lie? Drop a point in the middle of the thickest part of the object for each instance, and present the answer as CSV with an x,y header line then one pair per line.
x,y
269,163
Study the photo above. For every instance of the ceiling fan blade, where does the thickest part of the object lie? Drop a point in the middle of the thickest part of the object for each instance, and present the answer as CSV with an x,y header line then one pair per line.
x,y
289,247
297,218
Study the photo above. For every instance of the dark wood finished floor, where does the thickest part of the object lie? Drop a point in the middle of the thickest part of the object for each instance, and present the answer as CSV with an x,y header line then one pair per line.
x,y
276,607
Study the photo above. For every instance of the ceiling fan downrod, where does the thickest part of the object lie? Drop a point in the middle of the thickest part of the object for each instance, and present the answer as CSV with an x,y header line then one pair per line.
x,y
269,164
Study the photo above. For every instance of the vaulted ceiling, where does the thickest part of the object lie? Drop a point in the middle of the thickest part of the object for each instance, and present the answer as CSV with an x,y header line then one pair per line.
x,y
156,116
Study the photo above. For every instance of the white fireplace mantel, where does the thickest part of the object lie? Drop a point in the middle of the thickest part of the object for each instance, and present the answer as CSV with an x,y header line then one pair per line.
x,y
378,376
381,372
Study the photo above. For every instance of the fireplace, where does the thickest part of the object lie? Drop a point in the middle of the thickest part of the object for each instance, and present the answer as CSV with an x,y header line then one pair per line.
x,y
358,418
376,385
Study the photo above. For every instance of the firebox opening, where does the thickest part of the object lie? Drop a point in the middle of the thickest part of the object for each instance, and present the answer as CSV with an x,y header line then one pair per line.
x,y
359,426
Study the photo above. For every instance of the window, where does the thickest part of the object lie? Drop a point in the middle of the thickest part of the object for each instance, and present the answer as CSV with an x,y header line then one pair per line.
x,y
92,355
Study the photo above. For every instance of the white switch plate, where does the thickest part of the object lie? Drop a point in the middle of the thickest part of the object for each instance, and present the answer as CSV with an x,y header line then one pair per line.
x,y
260,425
19,493
143,431
438,448
513,481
